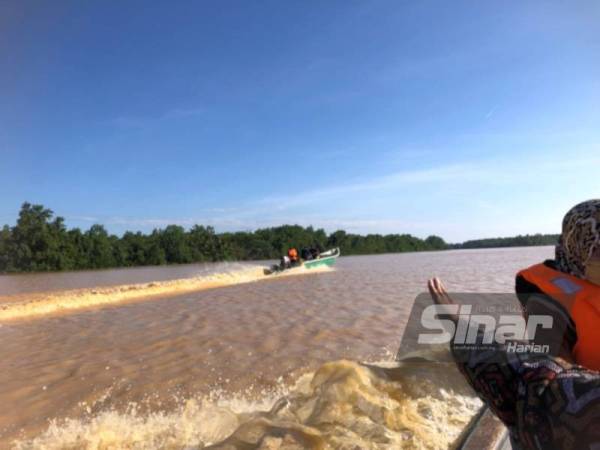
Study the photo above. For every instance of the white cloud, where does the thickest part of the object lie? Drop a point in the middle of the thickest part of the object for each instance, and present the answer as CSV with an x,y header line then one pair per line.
x,y
455,172
501,196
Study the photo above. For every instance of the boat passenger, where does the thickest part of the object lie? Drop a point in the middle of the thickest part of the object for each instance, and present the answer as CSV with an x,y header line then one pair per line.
x,y
306,254
285,262
293,255
314,251
570,284
548,401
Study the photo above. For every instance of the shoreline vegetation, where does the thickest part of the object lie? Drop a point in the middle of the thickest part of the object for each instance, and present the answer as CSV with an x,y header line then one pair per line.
x,y
40,241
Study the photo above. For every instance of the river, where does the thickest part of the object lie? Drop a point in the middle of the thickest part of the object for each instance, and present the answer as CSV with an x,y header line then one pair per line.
x,y
234,357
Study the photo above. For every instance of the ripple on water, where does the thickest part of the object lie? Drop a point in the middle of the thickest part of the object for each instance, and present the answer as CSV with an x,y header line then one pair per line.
x,y
208,366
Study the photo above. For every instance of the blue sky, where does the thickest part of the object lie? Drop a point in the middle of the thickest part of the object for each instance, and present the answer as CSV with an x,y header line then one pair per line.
x,y
462,119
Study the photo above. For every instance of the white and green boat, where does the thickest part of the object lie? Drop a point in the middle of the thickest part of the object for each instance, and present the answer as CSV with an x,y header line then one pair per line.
x,y
327,258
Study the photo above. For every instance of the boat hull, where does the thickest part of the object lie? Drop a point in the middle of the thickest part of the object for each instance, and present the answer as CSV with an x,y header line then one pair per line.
x,y
327,259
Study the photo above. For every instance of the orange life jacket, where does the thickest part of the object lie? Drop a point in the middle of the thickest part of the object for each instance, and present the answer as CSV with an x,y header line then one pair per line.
x,y
581,299
293,254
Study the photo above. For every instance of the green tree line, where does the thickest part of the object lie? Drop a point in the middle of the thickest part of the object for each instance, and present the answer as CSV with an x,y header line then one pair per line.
x,y
40,241
516,241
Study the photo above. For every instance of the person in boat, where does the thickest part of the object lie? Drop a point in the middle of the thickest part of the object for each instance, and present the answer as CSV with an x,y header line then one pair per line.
x,y
570,284
315,252
285,262
293,256
548,401
306,254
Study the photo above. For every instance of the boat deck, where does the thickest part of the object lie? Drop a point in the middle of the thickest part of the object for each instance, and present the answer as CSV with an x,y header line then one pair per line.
x,y
487,433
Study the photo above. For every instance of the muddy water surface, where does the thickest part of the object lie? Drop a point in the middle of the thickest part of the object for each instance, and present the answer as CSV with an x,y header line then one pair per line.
x,y
191,369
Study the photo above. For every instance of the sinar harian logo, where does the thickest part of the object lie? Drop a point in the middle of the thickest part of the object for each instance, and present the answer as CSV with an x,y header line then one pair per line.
x,y
475,329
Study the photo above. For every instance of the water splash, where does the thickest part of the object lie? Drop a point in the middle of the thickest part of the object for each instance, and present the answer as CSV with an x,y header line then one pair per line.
x,y
344,404
30,305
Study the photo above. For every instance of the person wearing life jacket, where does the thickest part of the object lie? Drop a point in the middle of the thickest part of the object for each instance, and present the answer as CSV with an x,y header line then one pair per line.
x,y
547,400
570,284
293,255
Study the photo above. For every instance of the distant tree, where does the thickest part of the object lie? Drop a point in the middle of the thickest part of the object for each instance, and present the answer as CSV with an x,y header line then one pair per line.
x,y
6,249
204,244
435,243
155,254
134,247
98,248
174,242
337,239
40,242
77,250
516,241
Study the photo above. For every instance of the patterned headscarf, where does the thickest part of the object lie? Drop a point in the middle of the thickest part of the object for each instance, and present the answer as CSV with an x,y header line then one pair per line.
x,y
579,239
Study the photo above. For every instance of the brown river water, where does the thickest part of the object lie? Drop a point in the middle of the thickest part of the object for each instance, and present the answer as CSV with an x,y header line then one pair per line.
x,y
220,355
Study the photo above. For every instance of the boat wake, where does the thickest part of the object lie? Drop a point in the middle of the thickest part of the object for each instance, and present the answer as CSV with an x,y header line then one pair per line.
x,y
30,305
344,404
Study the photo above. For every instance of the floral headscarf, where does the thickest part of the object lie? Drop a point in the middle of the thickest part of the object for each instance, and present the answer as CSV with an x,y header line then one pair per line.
x,y
579,239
